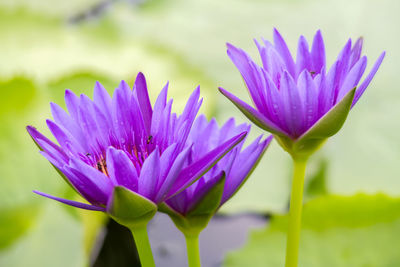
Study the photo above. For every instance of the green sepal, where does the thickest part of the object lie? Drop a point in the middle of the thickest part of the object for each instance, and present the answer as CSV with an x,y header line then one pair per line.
x,y
197,219
316,136
129,208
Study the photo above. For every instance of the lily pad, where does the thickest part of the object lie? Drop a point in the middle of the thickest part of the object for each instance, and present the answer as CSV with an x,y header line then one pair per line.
x,y
337,231
15,222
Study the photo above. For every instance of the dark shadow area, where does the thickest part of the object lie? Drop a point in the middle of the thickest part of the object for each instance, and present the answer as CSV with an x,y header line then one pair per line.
x,y
118,248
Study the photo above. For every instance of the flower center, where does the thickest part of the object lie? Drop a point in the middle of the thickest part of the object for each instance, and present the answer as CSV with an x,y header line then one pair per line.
x,y
102,166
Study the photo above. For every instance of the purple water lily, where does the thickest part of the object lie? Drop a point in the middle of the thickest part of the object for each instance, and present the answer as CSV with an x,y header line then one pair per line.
x,y
235,167
124,141
289,96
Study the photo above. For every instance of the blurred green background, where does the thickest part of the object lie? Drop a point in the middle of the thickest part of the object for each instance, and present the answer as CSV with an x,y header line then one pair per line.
x,y
352,214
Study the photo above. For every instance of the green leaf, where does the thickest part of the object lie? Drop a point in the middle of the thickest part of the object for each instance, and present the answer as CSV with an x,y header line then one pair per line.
x,y
55,239
337,231
15,222
197,218
314,138
17,94
332,121
130,209
211,201
80,82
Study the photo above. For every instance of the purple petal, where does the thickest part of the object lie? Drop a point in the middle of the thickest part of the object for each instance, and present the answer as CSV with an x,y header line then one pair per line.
x,y
121,114
344,59
198,127
94,123
360,90
293,110
185,121
309,96
274,103
144,100
72,102
194,171
281,47
191,108
159,107
207,139
275,65
62,118
202,189
71,203
121,169
149,175
89,175
226,129
58,159
36,136
244,164
173,173
64,138
166,160
352,78
318,52
103,101
356,52
255,116
303,59
242,62
262,50
327,89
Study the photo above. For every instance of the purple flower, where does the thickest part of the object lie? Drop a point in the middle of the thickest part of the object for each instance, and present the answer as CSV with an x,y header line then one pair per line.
x,y
290,97
123,141
235,167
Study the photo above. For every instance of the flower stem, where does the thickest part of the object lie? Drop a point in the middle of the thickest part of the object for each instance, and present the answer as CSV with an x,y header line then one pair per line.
x,y
143,245
296,204
193,252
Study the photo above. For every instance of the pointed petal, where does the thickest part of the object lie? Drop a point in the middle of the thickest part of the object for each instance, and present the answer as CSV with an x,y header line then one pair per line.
x,y
356,51
360,90
194,171
293,109
144,100
89,173
103,101
149,175
331,122
36,136
72,102
57,159
252,114
166,160
318,53
159,107
173,174
243,63
281,47
121,112
352,78
62,118
243,166
309,97
64,138
121,169
303,59
71,202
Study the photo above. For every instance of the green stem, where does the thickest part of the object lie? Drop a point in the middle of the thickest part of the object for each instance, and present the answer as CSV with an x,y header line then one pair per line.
x,y
296,204
193,252
143,245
